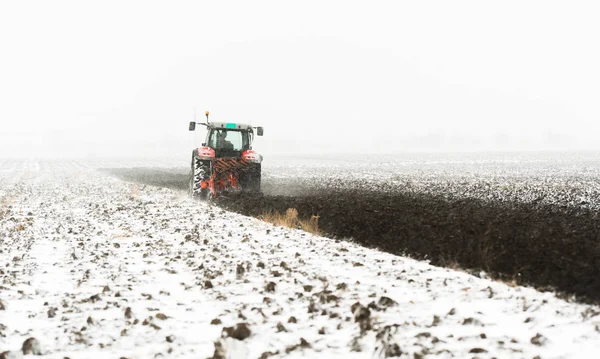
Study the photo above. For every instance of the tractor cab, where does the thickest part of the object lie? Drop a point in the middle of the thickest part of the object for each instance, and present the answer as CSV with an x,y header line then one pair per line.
x,y
228,139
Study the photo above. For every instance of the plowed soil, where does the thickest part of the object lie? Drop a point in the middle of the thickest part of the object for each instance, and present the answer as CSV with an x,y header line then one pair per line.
x,y
97,267
548,245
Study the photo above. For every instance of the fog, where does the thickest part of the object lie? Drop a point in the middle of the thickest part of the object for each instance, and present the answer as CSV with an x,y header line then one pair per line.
x,y
114,78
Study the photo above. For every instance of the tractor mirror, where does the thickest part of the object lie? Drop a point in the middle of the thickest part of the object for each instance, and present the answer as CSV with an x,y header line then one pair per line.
x,y
259,131
192,126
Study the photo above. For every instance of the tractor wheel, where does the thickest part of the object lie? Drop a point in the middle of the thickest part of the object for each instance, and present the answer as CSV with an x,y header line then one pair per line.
x,y
199,172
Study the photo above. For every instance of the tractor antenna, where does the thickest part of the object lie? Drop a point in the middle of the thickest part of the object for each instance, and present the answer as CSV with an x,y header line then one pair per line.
x,y
194,114
207,113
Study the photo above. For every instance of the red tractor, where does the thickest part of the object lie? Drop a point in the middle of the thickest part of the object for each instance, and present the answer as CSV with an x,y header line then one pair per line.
x,y
226,162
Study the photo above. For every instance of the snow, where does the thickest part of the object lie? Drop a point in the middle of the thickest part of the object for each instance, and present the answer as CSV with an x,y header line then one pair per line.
x,y
84,246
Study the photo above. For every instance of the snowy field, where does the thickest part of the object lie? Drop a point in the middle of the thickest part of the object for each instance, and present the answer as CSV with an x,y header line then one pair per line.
x,y
94,267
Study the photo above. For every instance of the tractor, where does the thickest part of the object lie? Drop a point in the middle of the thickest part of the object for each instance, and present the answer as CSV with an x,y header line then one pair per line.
x,y
226,162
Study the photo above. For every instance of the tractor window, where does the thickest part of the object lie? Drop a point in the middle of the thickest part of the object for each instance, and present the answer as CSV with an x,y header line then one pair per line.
x,y
228,140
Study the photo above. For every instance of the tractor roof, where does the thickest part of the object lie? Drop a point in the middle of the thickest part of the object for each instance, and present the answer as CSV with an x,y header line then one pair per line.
x,y
230,125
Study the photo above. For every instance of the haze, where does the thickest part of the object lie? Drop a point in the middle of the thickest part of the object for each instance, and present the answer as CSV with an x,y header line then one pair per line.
x,y
116,78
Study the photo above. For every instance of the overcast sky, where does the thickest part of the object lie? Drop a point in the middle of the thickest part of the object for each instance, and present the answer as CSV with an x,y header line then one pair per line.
x,y
104,78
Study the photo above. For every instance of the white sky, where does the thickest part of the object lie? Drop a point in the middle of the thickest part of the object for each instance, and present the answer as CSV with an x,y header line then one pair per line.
x,y
104,78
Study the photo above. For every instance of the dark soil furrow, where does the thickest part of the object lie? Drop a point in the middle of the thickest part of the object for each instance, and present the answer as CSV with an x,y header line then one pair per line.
x,y
552,246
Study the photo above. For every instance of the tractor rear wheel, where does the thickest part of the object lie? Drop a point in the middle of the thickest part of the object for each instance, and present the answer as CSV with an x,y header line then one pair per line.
x,y
200,171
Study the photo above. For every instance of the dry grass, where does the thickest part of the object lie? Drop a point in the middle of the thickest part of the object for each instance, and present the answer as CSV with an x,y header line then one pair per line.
x,y
290,219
